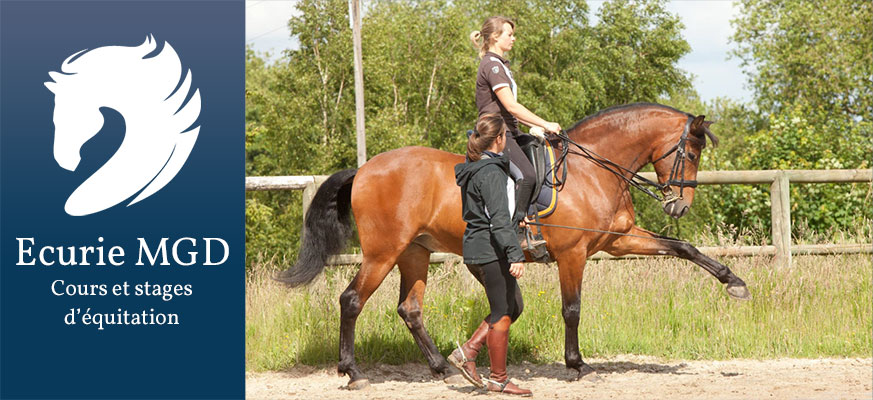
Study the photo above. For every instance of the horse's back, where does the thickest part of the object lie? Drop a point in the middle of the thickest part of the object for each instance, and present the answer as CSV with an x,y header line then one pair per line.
x,y
407,165
412,155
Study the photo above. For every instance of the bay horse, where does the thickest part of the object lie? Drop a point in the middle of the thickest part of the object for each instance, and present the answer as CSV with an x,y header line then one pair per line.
x,y
406,206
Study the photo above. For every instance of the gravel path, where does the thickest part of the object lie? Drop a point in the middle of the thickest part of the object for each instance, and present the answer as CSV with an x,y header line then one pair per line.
x,y
622,377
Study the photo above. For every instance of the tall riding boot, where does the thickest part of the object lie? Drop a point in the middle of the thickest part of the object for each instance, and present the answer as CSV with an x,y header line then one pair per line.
x,y
523,193
464,357
498,342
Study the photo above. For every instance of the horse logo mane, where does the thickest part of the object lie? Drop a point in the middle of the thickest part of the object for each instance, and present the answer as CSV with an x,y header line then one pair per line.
x,y
148,89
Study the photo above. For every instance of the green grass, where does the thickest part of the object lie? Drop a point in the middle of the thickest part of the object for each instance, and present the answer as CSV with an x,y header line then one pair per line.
x,y
666,307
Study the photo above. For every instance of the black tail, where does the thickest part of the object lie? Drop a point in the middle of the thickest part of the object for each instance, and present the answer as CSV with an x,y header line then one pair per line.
x,y
326,231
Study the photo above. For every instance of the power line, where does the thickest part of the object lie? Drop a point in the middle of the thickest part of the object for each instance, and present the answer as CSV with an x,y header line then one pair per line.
x,y
266,33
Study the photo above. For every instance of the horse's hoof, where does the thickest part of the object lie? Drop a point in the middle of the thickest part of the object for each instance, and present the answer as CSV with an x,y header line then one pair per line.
x,y
442,371
455,379
591,377
359,384
739,292
585,372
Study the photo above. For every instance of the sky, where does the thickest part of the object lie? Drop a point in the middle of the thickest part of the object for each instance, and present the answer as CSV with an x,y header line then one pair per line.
x,y
707,29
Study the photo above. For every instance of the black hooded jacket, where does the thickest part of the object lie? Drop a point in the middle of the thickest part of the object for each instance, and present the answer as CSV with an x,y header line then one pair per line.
x,y
489,235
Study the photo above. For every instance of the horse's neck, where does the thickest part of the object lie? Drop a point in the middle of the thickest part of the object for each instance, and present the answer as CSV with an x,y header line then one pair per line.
x,y
136,126
144,146
626,144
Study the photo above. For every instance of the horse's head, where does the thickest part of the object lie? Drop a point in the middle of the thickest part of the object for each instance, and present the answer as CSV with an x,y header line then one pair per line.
x,y
106,77
676,160
77,116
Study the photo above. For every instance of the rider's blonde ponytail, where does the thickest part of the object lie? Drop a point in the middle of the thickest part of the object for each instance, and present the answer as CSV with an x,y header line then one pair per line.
x,y
491,28
475,37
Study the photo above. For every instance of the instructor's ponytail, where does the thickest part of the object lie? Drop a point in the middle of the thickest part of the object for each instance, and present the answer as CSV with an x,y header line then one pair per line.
x,y
488,129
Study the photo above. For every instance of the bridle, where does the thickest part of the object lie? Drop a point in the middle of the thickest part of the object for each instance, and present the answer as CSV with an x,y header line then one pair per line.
x,y
635,180
678,168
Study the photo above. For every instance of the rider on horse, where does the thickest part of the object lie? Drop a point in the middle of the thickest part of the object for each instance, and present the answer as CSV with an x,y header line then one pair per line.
x,y
496,92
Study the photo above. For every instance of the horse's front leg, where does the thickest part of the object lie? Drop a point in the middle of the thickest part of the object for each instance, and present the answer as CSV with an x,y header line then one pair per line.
x,y
571,265
651,244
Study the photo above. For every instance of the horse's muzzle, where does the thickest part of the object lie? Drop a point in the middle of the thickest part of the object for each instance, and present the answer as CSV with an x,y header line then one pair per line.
x,y
677,209
66,158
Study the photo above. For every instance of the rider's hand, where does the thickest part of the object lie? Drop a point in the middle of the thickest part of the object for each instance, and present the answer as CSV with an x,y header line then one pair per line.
x,y
516,270
552,127
538,132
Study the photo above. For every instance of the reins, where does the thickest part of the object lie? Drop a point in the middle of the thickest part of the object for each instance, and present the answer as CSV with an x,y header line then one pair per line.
x,y
575,228
636,180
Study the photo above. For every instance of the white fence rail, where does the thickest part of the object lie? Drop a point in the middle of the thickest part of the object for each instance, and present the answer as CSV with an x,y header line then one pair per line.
x,y
780,209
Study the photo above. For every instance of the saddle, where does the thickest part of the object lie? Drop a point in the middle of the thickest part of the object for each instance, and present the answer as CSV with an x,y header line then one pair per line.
x,y
542,155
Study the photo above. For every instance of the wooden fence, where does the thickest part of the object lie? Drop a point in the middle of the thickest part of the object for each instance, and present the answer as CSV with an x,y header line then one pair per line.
x,y
780,209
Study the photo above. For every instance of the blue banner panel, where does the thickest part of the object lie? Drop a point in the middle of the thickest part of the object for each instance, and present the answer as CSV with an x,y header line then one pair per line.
x,y
122,271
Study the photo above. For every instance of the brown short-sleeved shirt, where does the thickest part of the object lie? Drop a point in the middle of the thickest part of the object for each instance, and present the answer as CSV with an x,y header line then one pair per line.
x,y
494,74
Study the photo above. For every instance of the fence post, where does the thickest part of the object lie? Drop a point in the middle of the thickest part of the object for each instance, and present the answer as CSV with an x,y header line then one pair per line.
x,y
780,215
309,193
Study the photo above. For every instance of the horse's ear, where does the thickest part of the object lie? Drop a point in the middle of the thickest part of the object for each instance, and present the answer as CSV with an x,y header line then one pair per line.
x,y
53,84
56,76
709,133
697,123
700,128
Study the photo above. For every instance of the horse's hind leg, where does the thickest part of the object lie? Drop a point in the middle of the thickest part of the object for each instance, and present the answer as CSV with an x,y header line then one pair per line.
x,y
413,265
370,276
645,242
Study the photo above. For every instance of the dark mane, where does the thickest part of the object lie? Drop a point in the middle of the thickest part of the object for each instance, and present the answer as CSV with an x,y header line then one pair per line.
x,y
624,107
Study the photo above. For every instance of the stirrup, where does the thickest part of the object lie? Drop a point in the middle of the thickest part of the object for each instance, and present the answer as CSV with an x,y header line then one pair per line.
x,y
533,241
535,246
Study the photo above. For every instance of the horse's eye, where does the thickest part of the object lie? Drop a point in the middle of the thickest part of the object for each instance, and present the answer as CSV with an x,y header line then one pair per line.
x,y
692,156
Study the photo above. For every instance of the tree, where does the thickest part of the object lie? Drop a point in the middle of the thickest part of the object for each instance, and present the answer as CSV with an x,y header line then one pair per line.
x,y
813,51
639,42
810,65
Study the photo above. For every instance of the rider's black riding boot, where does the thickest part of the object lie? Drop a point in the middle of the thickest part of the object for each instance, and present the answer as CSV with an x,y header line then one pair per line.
x,y
523,192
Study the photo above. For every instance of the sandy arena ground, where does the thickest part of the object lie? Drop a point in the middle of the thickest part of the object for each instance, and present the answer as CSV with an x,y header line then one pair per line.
x,y
623,377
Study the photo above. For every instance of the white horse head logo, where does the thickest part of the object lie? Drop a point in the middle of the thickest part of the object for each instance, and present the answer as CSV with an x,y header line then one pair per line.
x,y
147,92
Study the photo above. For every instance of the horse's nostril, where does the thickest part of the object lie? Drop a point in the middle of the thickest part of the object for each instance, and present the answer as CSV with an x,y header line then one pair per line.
x,y
676,209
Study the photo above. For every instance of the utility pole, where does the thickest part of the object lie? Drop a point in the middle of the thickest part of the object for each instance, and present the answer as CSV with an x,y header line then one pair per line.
x,y
359,82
